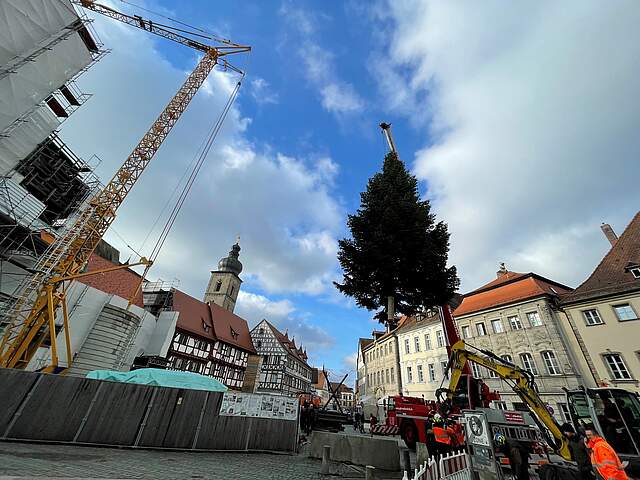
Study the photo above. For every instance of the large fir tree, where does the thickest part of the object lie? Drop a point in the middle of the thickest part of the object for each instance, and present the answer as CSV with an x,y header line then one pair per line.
x,y
397,248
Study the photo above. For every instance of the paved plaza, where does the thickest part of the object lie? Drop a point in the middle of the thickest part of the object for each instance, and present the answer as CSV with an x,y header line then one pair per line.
x,y
23,460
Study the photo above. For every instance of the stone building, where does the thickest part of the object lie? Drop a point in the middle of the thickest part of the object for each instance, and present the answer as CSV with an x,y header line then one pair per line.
x,y
602,314
319,385
516,317
345,395
284,369
361,391
423,355
382,377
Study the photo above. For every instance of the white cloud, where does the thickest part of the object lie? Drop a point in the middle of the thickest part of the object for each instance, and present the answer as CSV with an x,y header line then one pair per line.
x,y
262,93
336,95
282,207
533,120
286,318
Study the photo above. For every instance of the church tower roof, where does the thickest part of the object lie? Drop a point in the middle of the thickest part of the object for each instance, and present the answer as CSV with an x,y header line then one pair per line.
x,y
231,263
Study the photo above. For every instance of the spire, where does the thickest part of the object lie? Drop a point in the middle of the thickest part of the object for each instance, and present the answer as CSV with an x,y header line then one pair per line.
x,y
231,263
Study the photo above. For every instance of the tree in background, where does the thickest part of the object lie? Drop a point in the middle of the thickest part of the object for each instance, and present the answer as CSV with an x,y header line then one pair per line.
x,y
397,249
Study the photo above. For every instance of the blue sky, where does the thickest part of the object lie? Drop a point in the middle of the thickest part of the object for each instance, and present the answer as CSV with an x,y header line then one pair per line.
x,y
523,135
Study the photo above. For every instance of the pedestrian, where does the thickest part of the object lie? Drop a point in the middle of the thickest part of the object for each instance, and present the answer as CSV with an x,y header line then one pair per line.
x,y
604,459
304,417
442,439
373,421
517,454
361,421
579,452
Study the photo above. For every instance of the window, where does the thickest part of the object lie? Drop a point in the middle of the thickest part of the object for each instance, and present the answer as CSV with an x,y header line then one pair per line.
x,y
409,375
551,363
432,372
445,373
481,329
624,312
528,364
393,376
564,411
507,358
617,367
233,287
500,405
497,326
406,345
439,338
420,374
515,322
427,341
391,348
466,331
378,378
592,317
386,351
534,319
492,374
416,342
635,271
386,374
476,370
218,285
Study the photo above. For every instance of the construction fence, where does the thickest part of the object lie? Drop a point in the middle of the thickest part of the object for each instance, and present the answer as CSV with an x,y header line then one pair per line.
x,y
42,407
453,466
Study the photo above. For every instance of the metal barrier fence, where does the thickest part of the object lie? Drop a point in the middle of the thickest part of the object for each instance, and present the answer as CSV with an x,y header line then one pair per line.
x,y
42,407
453,466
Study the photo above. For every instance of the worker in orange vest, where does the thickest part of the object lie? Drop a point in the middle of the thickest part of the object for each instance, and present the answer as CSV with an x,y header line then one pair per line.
x,y
439,430
604,459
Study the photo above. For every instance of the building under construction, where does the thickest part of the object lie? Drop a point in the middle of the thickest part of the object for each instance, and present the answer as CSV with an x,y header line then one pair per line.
x,y
45,45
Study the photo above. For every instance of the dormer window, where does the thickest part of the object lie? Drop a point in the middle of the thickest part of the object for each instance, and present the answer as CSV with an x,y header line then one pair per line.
x,y
234,334
635,271
205,326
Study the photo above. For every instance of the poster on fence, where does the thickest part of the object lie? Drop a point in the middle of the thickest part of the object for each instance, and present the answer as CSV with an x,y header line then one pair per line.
x,y
236,404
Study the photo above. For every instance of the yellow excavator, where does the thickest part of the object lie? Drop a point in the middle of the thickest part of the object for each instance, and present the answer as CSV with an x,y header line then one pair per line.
x,y
613,412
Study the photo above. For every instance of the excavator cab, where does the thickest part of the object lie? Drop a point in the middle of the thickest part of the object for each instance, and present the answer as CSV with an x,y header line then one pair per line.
x,y
615,414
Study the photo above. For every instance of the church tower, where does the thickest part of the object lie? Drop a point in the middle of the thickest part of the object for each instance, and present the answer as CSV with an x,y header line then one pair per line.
x,y
224,284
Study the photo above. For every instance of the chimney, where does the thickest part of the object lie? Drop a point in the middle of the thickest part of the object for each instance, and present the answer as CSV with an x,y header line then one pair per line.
x,y
609,233
503,270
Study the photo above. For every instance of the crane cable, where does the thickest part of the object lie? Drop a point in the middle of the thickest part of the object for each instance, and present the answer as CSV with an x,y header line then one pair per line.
x,y
201,157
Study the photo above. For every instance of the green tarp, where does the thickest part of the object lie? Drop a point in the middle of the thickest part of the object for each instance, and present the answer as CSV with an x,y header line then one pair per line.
x,y
161,378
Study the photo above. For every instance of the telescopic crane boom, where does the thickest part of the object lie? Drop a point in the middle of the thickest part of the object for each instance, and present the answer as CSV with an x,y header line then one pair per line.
x,y
31,320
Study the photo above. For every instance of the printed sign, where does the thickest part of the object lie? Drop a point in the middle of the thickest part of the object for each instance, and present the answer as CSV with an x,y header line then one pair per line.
x,y
514,417
477,431
237,404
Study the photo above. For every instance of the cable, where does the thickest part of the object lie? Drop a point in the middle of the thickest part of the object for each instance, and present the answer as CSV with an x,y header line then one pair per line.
x,y
201,157
209,35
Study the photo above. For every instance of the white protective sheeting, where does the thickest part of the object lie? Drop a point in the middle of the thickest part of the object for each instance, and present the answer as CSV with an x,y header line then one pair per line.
x,y
34,81
19,204
26,23
25,138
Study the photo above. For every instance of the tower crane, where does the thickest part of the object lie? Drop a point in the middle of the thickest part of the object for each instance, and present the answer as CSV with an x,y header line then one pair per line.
x,y
31,319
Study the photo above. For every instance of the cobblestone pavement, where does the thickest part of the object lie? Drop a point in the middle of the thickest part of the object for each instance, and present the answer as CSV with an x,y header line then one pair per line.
x,y
22,460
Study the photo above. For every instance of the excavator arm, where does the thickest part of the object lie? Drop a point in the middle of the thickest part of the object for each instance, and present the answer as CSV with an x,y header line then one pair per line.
x,y
521,382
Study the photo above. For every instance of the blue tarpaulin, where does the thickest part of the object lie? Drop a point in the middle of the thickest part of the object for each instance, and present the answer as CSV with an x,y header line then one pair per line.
x,y
161,378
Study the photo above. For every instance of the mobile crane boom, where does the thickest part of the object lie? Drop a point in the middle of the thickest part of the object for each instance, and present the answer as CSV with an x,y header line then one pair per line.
x,y
29,324
522,383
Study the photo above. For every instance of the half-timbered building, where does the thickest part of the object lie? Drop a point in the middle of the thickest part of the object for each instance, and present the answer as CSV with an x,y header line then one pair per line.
x,y
208,338
284,369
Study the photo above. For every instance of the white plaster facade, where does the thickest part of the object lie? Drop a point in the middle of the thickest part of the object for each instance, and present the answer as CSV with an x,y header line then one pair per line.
x,y
423,357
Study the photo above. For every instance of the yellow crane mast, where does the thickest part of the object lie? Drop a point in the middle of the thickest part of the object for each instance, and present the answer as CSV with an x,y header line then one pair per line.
x,y
31,320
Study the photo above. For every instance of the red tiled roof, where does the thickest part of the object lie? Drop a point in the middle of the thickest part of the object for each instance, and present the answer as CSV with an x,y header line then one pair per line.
x,y
119,282
504,291
289,345
211,321
610,276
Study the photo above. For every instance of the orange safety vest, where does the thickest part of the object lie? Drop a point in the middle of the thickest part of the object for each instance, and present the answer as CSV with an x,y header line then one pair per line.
x,y
605,460
441,435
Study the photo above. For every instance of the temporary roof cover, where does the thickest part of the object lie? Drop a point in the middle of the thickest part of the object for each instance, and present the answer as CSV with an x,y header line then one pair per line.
x,y
161,378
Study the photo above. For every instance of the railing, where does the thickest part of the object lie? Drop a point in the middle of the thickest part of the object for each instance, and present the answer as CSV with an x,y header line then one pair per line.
x,y
452,466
